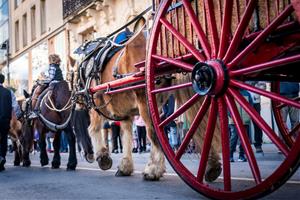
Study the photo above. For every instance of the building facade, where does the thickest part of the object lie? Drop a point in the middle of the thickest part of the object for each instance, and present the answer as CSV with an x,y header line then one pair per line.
x,y
90,19
3,32
37,30
40,27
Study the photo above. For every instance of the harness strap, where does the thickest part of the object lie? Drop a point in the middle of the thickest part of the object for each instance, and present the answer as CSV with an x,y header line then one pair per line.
x,y
115,74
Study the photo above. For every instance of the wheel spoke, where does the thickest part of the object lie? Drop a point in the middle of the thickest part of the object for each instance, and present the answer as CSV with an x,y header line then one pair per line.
x,y
243,138
271,95
225,143
212,25
259,121
263,35
265,66
238,35
178,63
225,32
282,105
183,40
196,122
180,110
199,31
207,140
174,87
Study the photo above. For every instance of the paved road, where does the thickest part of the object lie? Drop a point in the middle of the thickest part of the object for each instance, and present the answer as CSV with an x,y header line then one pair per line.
x,y
88,182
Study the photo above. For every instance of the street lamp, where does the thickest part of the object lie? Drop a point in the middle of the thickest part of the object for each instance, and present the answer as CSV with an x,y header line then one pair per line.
x,y
5,46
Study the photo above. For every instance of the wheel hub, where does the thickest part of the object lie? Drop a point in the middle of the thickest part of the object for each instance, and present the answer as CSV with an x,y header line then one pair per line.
x,y
209,78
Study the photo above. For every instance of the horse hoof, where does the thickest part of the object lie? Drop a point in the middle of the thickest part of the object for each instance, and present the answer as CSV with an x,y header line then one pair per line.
x,y
26,163
104,162
212,173
89,158
71,168
55,165
120,173
44,162
149,177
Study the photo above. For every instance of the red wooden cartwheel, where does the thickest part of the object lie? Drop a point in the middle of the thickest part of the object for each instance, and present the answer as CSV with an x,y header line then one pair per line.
x,y
213,48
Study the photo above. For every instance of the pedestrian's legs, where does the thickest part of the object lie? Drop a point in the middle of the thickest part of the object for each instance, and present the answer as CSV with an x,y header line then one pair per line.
x,y
294,116
144,138
284,113
49,147
173,137
139,132
4,128
241,149
257,131
120,140
233,139
114,130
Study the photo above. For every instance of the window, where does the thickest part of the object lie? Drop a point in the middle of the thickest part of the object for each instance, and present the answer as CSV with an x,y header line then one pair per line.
x,y
17,39
3,12
24,29
17,3
43,16
33,23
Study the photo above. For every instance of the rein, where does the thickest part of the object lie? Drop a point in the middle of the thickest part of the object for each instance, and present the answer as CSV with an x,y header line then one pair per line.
x,y
67,106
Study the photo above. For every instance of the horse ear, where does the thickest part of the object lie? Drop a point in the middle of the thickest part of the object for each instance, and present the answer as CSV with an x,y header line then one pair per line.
x,y
72,61
26,94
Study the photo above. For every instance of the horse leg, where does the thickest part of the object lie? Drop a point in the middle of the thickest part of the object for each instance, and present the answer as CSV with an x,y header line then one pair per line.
x,y
72,161
44,160
213,169
102,154
27,142
155,167
80,124
17,158
56,145
125,168
16,154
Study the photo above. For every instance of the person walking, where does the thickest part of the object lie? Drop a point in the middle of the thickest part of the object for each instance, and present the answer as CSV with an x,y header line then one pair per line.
x,y
141,131
256,99
5,117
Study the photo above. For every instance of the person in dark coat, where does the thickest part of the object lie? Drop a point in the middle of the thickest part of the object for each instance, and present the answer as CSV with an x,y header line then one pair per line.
x,y
5,117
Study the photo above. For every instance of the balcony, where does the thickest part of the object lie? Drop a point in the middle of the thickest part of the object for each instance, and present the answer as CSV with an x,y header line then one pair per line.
x,y
71,7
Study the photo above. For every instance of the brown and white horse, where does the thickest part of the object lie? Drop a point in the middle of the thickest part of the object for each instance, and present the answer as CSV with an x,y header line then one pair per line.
x,y
131,102
126,105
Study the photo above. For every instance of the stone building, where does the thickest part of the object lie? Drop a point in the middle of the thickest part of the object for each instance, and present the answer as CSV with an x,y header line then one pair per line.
x,y
89,19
